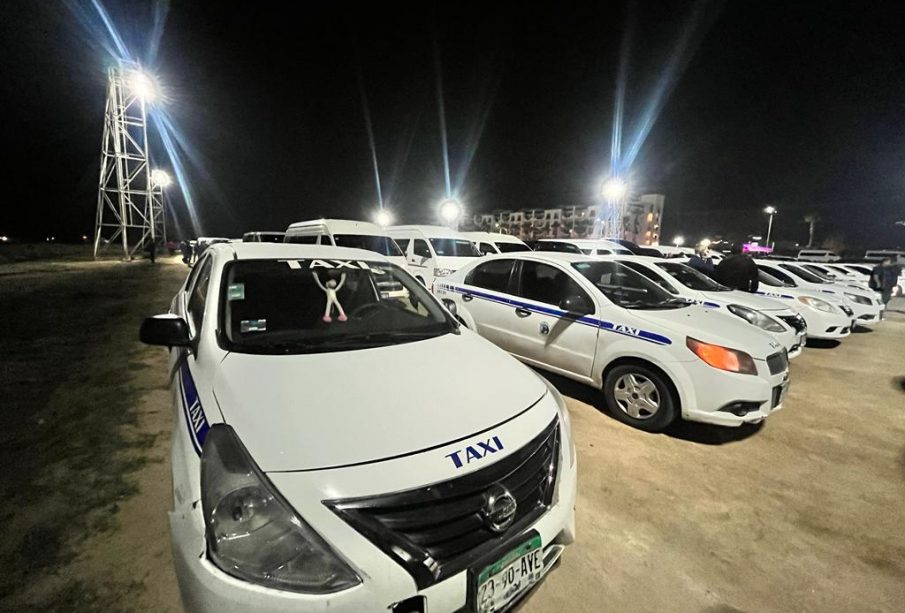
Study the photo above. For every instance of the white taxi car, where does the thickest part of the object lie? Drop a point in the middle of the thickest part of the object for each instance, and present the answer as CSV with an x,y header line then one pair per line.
x,y
654,356
324,459
865,306
827,317
679,279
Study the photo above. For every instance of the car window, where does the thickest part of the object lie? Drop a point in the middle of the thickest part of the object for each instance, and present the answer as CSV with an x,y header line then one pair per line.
x,y
547,284
804,274
492,275
786,279
512,247
454,247
403,244
824,273
627,288
556,246
650,274
198,296
302,240
691,278
308,306
421,249
383,245
486,248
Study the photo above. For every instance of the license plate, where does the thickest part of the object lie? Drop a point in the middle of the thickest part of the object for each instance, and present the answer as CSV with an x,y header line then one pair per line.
x,y
506,579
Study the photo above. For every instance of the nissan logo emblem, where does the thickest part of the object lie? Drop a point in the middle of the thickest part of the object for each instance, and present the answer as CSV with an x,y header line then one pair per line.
x,y
499,508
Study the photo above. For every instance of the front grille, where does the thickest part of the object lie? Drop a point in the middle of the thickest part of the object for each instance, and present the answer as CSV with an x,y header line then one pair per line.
x,y
437,531
778,362
796,321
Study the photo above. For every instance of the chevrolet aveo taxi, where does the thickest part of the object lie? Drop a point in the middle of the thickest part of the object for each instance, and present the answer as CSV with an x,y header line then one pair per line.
x,y
338,447
654,356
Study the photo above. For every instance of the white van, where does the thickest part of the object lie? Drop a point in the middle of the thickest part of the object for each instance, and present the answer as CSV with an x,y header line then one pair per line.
x,y
818,255
494,242
346,233
433,251
878,255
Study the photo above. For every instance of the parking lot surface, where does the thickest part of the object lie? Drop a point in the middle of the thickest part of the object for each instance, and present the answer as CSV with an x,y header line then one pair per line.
x,y
803,513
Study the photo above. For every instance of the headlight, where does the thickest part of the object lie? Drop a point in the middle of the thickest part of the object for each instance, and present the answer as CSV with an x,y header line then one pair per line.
x,y
817,303
723,358
858,299
564,418
252,533
443,272
756,318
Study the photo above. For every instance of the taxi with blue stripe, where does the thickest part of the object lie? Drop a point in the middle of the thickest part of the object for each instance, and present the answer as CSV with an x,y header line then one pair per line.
x,y
342,443
654,356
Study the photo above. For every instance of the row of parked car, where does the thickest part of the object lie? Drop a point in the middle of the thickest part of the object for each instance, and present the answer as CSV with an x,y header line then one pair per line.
x,y
353,432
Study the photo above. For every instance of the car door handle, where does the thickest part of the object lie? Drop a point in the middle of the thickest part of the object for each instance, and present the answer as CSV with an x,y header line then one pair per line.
x,y
467,297
522,312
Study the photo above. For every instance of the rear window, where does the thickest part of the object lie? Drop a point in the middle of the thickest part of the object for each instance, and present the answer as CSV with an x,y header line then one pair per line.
x,y
454,247
556,246
512,247
383,245
310,239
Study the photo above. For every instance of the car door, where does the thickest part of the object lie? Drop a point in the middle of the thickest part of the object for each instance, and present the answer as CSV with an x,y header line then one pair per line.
x,y
539,331
487,296
420,260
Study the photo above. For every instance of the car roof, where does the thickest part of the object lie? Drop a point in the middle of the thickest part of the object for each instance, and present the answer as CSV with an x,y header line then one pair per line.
x,y
266,251
339,224
428,231
498,237
543,256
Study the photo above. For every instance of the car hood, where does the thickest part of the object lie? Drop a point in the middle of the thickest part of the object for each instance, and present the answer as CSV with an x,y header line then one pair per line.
x,y
747,299
712,326
303,412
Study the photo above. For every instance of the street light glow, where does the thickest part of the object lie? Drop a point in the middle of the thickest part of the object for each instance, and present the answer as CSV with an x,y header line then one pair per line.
x,y
159,178
614,189
383,217
450,210
679,241
770,210
143,86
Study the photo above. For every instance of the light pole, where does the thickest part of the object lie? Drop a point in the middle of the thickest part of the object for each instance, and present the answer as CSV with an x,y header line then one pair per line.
x,y
771,211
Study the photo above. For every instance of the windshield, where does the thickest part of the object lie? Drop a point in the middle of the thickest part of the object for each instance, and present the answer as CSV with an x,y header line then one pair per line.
x,y
804,274
511,247
652,275
625,287
689,277
768,279
384,245
454,247
310,306
823,273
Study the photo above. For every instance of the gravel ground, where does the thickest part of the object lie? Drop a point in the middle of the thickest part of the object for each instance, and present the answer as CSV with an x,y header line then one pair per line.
x,y
803,513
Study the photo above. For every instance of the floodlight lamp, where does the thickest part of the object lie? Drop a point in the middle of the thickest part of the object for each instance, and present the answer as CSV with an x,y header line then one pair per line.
x,y
614,189
679,241
770,210
143,86
450,210
159,178
383,217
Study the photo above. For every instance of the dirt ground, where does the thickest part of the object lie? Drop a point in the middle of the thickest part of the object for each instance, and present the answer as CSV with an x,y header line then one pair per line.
x,y
804,513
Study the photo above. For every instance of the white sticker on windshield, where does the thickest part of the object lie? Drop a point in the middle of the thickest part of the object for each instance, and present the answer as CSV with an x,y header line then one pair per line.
x,y
236,291
252,325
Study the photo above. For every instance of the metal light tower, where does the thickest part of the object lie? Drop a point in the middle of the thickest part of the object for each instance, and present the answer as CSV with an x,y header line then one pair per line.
x,y
130,207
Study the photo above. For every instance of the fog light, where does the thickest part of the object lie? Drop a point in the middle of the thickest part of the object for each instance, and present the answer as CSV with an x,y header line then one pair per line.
x,y
741,408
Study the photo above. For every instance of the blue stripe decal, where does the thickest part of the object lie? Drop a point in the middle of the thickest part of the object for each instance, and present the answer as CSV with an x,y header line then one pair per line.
x,y
651,337
194,413
711,305
827,291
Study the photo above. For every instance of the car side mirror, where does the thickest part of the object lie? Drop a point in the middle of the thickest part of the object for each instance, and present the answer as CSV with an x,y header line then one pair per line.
x,y
451,307
576,305
167,330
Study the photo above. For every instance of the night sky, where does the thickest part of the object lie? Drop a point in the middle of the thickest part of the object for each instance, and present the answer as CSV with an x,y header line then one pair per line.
x,y
796,104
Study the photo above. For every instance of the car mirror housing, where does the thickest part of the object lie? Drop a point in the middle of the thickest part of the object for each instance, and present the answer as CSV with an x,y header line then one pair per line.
x,y
167,330
576,305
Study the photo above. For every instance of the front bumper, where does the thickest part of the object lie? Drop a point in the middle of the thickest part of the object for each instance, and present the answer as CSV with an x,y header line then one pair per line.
x,y
206,588
711,393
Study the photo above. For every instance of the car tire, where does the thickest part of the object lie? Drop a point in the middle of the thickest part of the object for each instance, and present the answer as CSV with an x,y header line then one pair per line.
x,y
639,396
